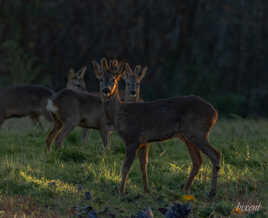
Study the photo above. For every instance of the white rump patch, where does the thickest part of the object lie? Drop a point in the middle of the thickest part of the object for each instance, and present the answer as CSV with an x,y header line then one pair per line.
x,y
51,107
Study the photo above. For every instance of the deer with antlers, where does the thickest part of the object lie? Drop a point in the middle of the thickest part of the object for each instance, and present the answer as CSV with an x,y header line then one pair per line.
x,y
31,100
86,111
188,118
130,94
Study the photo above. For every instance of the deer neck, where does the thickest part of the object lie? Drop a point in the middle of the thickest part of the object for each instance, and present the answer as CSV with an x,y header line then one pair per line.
x,y
112,106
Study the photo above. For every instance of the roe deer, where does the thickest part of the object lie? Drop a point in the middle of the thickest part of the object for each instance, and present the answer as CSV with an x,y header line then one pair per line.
x,y
188,118
76,81
23,101
96,114
132,88
31,100
86,111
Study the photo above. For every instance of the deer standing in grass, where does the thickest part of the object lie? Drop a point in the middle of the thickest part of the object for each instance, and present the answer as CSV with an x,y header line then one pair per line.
x,y
96,113
76,81
188,118
31,100
24,101
71,108
132,88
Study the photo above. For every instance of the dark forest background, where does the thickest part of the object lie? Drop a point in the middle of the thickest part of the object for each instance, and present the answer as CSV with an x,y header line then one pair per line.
x,y
215,49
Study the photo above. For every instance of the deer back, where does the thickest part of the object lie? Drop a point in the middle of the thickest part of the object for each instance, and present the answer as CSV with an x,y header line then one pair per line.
x,y
19,101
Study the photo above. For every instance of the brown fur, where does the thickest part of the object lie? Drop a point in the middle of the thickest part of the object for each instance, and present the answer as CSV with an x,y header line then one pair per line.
x,y
23,101
132,88
77,82
189,118
78,108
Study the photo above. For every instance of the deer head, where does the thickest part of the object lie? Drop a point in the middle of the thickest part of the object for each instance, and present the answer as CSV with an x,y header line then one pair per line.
x,y
76,79
108,74
133,80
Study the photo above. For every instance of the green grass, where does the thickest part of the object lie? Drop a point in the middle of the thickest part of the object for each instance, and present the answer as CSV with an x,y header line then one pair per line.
x,y
46,185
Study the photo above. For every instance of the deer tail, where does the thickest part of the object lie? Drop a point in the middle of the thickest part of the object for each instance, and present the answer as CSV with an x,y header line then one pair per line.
x,y
51,107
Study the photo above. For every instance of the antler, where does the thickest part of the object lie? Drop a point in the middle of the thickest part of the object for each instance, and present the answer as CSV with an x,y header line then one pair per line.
x,y
142,73
117,67
82,71
71,73
97,69
104,64
137,71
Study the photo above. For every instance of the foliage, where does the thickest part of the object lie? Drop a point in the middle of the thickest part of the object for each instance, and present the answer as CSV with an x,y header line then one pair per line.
x,y
20,65
230,103
191,47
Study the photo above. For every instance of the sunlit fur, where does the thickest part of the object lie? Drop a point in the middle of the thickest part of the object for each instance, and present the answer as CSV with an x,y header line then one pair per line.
x,y
73,107
133,80
189,118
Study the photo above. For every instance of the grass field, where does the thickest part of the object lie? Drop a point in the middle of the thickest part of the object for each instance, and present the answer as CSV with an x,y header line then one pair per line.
x,y
36,184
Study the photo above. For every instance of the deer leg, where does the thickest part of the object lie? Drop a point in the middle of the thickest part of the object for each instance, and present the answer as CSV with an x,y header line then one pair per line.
x,y
36,120
85,133
48,116
53,133
196,160
162,150
143,157
214,156
66,129
105,136
129,158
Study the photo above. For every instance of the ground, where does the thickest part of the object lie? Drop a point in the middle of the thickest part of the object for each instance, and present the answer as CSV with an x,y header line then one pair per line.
x,y
36,184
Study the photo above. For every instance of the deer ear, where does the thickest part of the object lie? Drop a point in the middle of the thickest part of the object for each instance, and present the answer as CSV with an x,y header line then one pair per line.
x,y
121,67
97,69
142,73
83,71
137,70
104,64
71,73
113,66
126,71
128,68
117,68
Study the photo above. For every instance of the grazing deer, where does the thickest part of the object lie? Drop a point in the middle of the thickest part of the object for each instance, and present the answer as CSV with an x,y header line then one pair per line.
x,y
188,118
23,101
132,88
86,111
